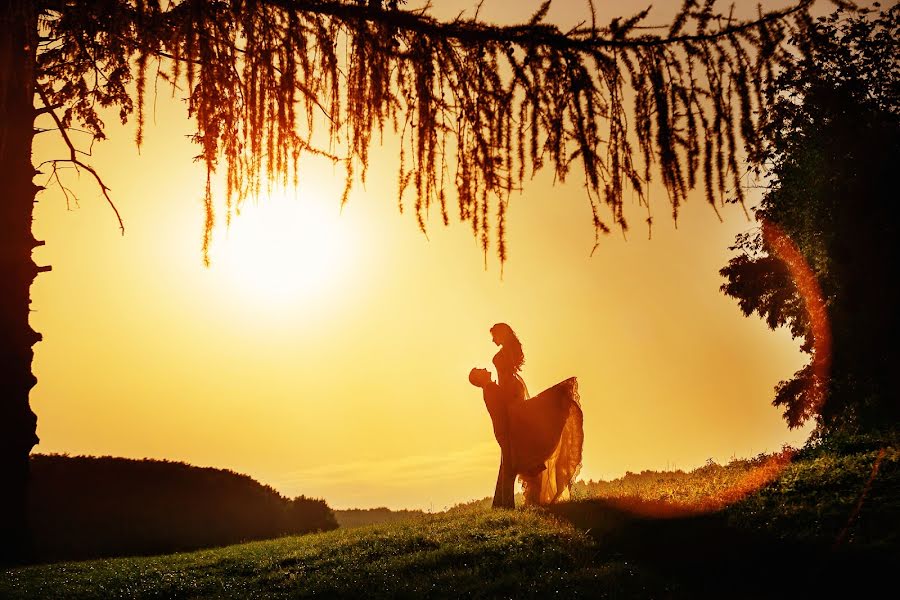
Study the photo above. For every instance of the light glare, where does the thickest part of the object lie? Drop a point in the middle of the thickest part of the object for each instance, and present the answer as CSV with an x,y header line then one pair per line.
x,y
283,250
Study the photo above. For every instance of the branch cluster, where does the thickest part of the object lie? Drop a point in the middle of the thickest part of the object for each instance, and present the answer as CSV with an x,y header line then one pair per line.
x,y
477,106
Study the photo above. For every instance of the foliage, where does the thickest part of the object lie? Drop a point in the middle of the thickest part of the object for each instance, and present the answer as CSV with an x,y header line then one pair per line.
x,y
477,106
83,507
831,141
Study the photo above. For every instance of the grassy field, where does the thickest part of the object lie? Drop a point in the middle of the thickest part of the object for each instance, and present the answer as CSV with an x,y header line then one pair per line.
x,y
824,526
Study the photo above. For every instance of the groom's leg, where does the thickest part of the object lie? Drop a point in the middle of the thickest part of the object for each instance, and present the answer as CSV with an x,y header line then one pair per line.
x,y
509,488
507,482
498,489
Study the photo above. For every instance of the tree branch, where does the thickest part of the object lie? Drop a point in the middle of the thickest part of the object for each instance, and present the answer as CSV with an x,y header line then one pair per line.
x,y
73,158
488,101
525,35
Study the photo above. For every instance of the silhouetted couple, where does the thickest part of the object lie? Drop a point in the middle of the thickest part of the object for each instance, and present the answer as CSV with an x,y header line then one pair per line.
x,y
540,438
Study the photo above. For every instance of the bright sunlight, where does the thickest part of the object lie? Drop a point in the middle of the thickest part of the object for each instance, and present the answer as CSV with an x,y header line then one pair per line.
x,y
284,249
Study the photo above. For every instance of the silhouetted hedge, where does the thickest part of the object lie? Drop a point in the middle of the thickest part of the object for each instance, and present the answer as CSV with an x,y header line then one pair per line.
x,y
85,507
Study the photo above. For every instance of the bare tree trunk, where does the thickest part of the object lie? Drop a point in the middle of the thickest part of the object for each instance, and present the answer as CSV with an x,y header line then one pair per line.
x,y
18,40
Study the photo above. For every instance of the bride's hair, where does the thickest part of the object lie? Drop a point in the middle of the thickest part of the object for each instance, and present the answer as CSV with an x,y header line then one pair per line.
x,y
510,344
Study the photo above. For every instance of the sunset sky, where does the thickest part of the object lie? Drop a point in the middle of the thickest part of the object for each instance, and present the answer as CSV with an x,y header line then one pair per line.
x,y
326,353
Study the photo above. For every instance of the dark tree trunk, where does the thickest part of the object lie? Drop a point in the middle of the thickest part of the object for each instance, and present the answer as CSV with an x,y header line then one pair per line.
x,y
18,39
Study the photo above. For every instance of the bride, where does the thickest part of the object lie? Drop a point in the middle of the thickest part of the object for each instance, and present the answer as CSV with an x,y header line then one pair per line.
x,y
541,437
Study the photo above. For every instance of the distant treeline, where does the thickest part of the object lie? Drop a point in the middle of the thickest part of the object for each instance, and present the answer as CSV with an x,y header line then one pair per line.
x,y
358,517
480,504
85,507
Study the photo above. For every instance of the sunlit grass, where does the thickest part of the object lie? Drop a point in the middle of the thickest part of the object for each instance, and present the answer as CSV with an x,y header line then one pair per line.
x,y
706,489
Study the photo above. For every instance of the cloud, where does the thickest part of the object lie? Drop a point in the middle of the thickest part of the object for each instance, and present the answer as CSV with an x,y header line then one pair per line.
x,y
398,472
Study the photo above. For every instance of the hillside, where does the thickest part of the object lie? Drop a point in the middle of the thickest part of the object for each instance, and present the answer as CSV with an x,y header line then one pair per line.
x,y
85,507
824,527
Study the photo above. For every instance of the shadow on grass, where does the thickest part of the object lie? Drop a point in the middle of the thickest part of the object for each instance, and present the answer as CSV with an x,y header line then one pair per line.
x,y
705,556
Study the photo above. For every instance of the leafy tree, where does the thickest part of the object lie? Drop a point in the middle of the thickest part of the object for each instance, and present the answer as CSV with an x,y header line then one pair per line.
x,y
478,107
831,140
89,507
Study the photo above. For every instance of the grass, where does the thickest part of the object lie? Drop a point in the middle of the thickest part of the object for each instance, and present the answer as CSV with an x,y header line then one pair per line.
x,y
705,489
476,553
845,496
824,526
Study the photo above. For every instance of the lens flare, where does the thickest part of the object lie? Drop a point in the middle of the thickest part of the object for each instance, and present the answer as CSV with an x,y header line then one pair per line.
x,y
807,285
686,501
810,293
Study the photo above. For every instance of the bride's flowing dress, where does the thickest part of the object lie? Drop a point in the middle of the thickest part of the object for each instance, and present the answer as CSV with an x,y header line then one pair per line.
x,y
540,438
546,436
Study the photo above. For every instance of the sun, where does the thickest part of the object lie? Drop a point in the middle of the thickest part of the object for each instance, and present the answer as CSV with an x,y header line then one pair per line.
x,y
284,250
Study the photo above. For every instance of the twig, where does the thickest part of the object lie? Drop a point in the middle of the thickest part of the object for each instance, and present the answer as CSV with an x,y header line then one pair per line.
x,y
73,158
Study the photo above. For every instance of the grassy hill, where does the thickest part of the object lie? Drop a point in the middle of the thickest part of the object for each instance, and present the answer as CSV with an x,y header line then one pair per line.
x,y
824,526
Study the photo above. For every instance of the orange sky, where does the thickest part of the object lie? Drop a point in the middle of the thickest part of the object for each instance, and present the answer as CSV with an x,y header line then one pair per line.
x,y
330,358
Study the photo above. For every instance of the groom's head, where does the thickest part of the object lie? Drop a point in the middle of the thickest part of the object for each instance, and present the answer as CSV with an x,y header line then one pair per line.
x,y
480,377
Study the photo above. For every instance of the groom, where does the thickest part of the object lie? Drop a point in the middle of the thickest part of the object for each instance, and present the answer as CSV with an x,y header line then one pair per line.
x,y
504,491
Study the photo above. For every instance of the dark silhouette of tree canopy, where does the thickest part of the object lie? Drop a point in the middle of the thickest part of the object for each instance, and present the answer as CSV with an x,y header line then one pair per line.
x,y
832,141
88,507
479,108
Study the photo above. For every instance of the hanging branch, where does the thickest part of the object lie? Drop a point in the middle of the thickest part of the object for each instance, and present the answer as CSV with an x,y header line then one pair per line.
x,y
487,105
